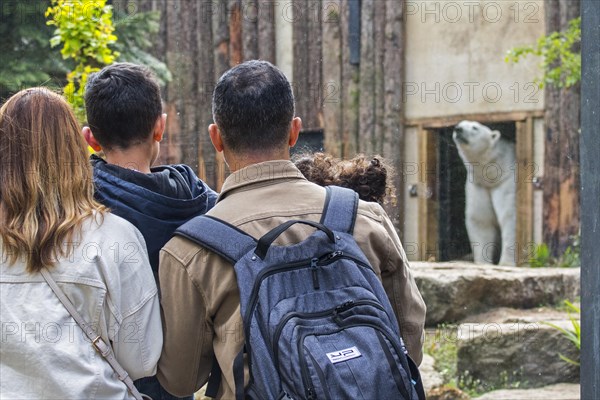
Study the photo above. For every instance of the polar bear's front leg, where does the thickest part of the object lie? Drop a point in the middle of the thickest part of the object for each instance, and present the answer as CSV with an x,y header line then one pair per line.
x,y
481,223
503,198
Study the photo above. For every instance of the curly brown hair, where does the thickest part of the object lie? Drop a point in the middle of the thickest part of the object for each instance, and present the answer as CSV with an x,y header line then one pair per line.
x,y
370,177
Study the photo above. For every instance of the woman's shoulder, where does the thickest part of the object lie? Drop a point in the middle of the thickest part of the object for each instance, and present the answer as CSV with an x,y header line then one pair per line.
x,y
110,225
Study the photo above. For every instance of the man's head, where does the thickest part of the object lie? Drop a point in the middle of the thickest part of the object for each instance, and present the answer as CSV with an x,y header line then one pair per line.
x,y
253,109
123,105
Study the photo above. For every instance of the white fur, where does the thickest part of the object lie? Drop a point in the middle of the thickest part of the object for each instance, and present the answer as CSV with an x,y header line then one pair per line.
x,y
490,191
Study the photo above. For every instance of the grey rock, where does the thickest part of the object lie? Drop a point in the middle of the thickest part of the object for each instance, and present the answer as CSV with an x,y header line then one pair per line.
x,y
430,377
561,391
455,290
524,354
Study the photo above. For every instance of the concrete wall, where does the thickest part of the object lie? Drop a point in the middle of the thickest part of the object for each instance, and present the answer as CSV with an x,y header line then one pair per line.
x,y
455,57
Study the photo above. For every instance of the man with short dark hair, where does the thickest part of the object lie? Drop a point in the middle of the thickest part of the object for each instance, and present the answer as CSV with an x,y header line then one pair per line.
x,y
253,110
125,120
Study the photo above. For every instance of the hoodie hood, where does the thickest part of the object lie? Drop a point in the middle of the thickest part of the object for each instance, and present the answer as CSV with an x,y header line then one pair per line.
x,y
156,203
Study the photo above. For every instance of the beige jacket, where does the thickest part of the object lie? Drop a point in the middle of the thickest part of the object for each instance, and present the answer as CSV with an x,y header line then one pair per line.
x,y
200,298
107,276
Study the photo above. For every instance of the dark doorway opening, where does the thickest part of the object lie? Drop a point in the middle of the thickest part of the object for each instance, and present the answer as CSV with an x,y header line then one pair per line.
x,y
453,240
309,141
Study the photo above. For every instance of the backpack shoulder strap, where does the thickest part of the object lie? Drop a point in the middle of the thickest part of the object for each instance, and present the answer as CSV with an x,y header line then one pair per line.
x,y
339,212
216,235
229,242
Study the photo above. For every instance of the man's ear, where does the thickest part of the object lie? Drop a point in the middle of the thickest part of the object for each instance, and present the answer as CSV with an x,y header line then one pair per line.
x,y
159,128
90,139
215,137
295,131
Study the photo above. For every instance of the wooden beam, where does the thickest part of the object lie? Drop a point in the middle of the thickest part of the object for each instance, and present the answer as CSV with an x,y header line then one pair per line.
x,y
266,31
236,55
442,122
249,14
349,90
524,191
366,130
428,205
392,135
331,51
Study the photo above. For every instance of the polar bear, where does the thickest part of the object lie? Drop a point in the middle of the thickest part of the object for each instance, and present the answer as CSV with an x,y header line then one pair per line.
x,y
490,211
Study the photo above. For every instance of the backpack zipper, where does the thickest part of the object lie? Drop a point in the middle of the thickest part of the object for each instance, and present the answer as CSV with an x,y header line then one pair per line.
x,y
265,273
304,367
334,312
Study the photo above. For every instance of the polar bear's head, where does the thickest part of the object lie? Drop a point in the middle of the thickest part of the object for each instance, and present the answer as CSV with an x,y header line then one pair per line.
x,y
474,139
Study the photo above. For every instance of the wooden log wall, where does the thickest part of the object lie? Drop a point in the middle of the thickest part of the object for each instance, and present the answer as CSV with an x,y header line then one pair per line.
x,y
561,180
358,103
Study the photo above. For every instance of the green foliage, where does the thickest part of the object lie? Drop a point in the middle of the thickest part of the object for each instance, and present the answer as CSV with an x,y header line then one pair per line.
x,y
136,32
541,257
569,259
85,30
442,346
561,56
573,335
27,59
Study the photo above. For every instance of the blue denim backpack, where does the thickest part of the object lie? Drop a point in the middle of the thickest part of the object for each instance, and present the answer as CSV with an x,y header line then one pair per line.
x,y
317,321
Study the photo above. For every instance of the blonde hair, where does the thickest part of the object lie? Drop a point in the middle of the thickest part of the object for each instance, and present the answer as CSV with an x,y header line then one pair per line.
x,y
46,189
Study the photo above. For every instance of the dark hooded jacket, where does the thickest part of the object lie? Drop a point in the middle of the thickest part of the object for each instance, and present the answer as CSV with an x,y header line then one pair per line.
x,y
156,203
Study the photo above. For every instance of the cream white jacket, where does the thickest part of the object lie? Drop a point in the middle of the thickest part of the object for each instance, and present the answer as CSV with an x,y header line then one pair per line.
x,y
43,352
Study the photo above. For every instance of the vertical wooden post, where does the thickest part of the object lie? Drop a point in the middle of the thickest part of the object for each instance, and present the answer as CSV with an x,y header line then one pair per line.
x,y
379,19
561,171
428,204
266,31
393,119
590,206
349,89
366,131
300,80
188,95
172,96
249,14
220,25
235,33
205,71
524,193
332,79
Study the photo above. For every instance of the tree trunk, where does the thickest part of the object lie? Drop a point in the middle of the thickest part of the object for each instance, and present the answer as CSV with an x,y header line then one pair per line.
x,y
332,77
393,123
349,89
249,14
561,162
367,78
205,71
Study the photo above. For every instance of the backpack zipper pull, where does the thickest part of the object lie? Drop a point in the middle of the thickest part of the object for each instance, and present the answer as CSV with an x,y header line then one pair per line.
x,y
315,277
335,254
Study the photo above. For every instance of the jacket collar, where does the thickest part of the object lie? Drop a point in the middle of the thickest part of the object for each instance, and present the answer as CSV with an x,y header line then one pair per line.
x,y
261,174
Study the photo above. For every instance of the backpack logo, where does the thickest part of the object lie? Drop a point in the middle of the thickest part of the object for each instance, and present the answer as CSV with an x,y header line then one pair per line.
x,y
343,355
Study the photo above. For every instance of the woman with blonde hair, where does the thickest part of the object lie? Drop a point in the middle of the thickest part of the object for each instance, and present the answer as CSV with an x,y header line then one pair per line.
x,y
51,224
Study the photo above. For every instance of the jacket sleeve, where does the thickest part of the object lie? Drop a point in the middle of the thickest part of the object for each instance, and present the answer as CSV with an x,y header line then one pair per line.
x,y
183,368
135,327
403,293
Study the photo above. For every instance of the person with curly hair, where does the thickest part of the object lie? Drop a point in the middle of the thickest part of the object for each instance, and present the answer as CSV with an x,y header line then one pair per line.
x,y
369,177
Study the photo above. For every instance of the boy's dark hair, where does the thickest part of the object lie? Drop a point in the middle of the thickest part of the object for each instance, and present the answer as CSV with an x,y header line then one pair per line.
x,y
253,106
122,103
